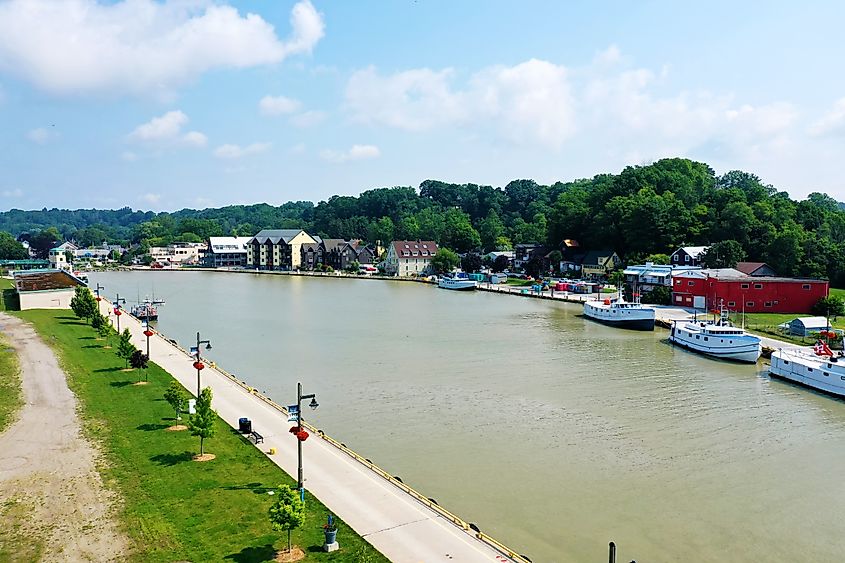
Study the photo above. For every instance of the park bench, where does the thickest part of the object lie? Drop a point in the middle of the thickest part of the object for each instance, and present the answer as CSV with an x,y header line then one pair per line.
x,y
256,437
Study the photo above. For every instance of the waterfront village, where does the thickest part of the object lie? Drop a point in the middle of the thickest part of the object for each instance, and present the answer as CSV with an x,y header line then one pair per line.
x,y
683,281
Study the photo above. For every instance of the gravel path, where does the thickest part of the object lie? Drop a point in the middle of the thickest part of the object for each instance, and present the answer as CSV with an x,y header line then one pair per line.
x,y
53,506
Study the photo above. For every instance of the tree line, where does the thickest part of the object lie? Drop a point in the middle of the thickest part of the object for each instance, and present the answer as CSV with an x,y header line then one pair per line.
x,y
643,210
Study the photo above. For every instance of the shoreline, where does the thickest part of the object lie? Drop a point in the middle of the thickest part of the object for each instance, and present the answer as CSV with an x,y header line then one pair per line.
x,y
399,521
664,321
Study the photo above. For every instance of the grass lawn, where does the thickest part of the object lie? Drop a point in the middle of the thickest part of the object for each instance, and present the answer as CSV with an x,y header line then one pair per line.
x,y
520,283
11,397
767,324
175,509
837,293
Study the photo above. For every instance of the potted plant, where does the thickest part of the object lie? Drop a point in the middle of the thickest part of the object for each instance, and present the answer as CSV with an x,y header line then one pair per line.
x,y
330,530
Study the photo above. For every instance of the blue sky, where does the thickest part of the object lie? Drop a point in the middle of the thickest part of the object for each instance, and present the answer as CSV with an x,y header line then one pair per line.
x,y
194,103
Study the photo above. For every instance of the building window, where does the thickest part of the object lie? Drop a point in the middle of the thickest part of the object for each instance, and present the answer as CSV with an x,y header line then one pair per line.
x,y
731,303
678,282
745,286
805,286
767,304
686,257
749,303
690,283
758,286
678,298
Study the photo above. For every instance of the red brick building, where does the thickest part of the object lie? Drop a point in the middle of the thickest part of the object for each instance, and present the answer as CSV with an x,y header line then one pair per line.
x,y
756,294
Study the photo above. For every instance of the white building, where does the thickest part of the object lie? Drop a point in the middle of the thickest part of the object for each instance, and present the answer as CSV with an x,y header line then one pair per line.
x,y
226,252
410,257
178,253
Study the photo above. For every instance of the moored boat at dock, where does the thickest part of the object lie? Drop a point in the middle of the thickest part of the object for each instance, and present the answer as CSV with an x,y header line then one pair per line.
x,y
620,313
717,339
458,280
818,368
146,311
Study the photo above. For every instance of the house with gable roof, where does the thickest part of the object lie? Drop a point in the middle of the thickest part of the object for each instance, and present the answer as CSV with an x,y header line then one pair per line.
x,y
277,249
410,257
687,256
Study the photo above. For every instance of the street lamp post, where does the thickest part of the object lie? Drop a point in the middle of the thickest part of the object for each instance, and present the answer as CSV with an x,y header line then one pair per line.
x,y
198,363
117,301
313,404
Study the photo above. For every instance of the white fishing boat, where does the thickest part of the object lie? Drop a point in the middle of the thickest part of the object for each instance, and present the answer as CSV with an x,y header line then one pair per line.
x,y
620,313
145,310
717,339
457,280
818,368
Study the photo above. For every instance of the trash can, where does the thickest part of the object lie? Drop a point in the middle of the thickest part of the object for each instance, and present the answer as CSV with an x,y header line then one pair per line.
x,y
245,425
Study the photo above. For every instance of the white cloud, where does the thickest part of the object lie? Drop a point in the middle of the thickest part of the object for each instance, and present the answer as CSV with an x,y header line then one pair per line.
x,y
42,135
357,152
531,100
167,130
150,198
832,123
622,111
309,118
414,100
195,139
609,56
140,47
278,105
236,151
15,193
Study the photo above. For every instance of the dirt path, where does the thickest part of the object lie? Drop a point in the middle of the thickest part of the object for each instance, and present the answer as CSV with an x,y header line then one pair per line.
x,y
53,506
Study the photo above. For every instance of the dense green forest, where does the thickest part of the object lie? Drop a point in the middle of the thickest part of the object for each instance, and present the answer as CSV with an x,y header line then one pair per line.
x,y
641,211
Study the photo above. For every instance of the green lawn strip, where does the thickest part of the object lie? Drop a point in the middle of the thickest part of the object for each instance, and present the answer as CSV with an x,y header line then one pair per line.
x,y
519,283
174,508
11,397
837,292
767,325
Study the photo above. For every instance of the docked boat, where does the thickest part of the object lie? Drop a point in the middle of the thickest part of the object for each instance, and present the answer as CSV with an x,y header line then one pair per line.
x,y
145,310
620,313
717,339
457,280
818,368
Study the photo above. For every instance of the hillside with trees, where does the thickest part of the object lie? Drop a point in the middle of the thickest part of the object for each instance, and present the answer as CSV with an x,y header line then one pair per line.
x,y
641,211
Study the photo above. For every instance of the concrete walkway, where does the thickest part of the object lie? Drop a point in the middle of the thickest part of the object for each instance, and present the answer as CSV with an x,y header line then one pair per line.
x,y
397,524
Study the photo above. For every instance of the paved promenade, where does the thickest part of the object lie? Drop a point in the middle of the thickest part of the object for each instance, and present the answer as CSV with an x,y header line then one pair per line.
x,y
397,524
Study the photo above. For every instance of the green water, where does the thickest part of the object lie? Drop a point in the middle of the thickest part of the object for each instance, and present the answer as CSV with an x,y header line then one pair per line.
x,y
554,434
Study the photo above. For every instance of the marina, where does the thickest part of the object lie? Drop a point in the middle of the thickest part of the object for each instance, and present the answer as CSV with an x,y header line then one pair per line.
x,y
819,369
556,434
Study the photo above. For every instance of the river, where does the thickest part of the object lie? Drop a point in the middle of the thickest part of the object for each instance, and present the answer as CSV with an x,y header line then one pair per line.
x,y
553,434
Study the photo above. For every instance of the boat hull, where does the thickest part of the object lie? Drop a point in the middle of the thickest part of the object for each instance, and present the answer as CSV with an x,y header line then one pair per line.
x,y
745,354
827,377
459,285
630,324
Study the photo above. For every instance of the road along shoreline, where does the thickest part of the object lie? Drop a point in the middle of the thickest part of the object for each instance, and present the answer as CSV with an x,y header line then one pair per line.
x,y
403,524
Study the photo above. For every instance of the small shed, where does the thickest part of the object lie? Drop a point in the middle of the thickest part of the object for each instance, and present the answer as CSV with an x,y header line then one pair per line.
x,y
804,326
46,289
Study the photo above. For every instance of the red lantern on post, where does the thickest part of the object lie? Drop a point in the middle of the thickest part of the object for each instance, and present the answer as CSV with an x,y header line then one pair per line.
x,y
148,333
198,365
294,429
302,435
99,299
117,313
